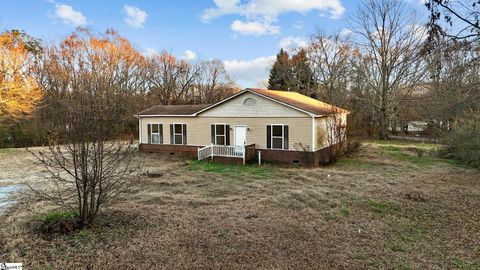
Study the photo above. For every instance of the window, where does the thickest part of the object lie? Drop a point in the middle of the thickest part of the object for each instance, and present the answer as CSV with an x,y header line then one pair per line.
x,y
249,102
155,133
220,134
277,136
178,134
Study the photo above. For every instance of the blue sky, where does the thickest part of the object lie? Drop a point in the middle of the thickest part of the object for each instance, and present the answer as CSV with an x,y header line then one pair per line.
x,y
245,34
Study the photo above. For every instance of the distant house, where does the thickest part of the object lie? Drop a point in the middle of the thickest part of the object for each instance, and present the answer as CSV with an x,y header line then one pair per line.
x,y
283,126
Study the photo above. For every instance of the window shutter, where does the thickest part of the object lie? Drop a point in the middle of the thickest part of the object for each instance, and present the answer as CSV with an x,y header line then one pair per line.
x,y
269,137
285,137
171,133
149,133
212,131
160,130
227,135
184,129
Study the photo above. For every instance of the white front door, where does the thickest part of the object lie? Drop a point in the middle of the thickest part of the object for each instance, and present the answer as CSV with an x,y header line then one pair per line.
x,y
240,135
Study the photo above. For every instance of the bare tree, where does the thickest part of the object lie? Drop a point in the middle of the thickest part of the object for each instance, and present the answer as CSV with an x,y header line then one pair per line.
x,y
462,17
213,83
453,82
330,60
172,81
87,78
169,79
389,45
336,135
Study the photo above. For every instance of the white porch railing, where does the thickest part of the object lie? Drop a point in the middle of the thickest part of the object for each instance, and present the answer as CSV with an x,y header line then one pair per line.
x,y
222,151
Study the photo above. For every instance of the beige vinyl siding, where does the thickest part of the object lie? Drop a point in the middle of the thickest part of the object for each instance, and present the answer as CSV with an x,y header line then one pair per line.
x,y
261,106
322,130
198,129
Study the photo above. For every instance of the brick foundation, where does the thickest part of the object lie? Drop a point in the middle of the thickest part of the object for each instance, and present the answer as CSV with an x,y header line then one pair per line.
x,y
308,159
228,160
172,149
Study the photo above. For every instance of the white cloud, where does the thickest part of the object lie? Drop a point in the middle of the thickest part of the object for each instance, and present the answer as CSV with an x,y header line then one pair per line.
x,y
271,9
291,42
419,31
261,14
189,55
150,52
298,25
420,2
254,28
345,32
250,73
135,17
69,15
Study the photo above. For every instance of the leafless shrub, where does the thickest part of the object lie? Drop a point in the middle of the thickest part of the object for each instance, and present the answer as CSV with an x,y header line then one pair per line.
x,y
336,136
305,152
352,146
87,167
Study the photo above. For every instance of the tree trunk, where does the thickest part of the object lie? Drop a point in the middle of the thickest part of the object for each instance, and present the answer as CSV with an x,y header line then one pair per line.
x,y
383,135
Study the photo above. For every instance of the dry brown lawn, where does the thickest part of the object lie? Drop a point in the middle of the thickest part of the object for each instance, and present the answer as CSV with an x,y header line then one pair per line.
x,y
389,206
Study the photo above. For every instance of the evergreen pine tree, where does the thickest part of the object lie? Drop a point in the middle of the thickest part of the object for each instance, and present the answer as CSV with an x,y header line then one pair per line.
x,y
292,74
281,74
304,81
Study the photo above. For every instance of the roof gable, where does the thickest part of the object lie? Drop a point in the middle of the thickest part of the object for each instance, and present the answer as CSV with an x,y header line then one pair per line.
x,y
300,101
248,104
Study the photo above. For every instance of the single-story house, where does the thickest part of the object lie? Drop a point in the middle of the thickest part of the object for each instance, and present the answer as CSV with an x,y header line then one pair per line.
x,y
277,126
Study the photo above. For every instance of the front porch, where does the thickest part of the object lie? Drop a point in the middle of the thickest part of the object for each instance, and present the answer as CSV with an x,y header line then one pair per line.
x,y
228,154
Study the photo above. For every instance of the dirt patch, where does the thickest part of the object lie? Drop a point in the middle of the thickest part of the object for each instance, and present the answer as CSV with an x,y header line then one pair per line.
x,y
394,213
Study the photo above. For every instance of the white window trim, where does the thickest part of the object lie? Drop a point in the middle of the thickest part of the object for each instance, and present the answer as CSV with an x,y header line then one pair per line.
x,y
224,134
181,125
282,137
140,127
152,133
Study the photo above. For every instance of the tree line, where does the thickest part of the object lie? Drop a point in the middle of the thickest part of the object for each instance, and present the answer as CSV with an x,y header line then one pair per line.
x,y
38,80
391,69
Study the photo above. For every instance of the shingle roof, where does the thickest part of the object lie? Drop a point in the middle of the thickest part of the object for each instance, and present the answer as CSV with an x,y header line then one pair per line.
x,y
293,99
300,101
173,109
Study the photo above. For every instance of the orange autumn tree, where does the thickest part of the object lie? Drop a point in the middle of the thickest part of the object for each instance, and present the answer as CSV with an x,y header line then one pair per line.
x,y
19,92
89,80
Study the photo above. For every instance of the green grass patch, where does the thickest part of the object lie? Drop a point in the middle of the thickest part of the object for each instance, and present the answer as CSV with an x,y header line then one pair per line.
x,y
57,215
236,171
6,151
404,266
410,232
465,264
357,163
223,233
424,146
380,207
48,267
397,246
84,234
420,156
332,216
345,210
404,237
342,212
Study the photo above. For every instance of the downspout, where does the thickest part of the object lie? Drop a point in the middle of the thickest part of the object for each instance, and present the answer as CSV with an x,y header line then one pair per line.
x,y
313,134
139,131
